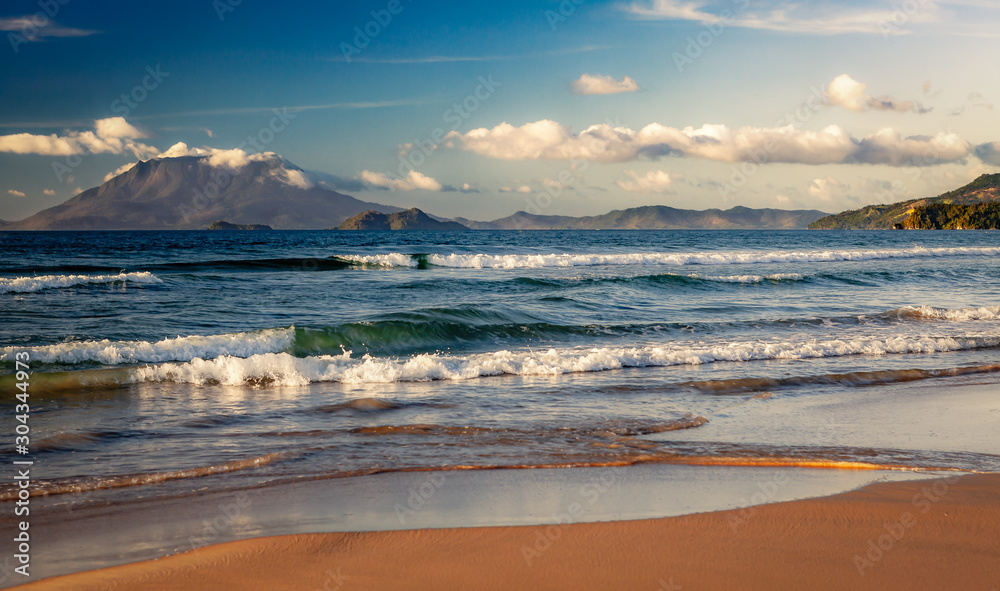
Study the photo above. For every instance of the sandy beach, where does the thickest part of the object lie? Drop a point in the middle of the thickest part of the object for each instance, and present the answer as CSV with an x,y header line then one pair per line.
x,y
925,534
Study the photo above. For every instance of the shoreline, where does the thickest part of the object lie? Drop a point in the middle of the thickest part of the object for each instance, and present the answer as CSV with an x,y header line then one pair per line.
x,y
940,533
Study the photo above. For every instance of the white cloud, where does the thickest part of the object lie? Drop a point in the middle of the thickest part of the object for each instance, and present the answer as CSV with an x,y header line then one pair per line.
x,y
48,192
852,95
823,189
654,181
121,169
15,193
78,190
113,135
32,29
521,189
548,140
597,84
412,181
804,17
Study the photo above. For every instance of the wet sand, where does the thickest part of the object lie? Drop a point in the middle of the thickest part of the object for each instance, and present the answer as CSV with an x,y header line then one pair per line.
x,y
923,534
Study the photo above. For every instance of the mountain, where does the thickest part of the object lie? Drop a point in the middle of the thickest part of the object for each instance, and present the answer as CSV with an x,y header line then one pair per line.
x,y
658,217
411,219
984,189
191,192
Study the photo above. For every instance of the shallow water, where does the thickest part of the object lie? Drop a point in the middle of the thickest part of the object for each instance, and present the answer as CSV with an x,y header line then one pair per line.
x,y
169,363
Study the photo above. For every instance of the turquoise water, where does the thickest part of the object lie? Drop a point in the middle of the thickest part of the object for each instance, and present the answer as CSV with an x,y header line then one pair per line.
x,y
167,363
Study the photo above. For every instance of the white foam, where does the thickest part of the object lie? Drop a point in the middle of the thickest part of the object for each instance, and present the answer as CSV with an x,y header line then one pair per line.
x,y
957,315
750,278
394,259
517,261
244,344
522,261
284,369
32,284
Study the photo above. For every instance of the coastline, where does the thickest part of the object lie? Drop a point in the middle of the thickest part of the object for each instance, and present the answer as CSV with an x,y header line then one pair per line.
x,y
939,533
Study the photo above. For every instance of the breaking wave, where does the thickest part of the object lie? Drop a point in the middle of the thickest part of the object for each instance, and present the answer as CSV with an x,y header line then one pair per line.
x,y
533,261
283,369
243,344
33,284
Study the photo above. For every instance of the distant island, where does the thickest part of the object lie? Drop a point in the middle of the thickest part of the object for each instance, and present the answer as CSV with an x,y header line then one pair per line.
x,y
228,226
411,219
984,190
658,217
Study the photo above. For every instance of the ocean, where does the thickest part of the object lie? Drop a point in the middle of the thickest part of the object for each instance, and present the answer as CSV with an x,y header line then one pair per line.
x,y
171,364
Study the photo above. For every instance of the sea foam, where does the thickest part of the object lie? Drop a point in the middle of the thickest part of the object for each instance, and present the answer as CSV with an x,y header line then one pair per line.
x,y
522,261
287,370
32,284
244,344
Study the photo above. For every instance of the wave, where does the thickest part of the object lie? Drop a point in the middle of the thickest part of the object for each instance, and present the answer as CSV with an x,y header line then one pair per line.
x,y
282,369
436,329
859,378
244,344
76,485
33,284
522,261
955,315
773,278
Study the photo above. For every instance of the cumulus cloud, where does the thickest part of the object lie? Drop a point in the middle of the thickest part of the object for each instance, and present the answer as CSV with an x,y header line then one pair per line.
x,y
15,193
597,84
412,181
824,188
548,140
48,192
852,95
804,17
654,181
989,153
113,135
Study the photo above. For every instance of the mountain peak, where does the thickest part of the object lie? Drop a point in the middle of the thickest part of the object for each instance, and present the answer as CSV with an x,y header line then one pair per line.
x,y
190,191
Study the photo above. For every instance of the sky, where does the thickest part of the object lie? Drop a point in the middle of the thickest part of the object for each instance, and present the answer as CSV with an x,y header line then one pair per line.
x,y
481,109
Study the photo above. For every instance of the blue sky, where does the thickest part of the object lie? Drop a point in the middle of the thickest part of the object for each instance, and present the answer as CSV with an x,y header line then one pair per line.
x,y
575,107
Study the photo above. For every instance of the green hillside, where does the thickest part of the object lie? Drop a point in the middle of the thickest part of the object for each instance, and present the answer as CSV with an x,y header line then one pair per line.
x,y
984,189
